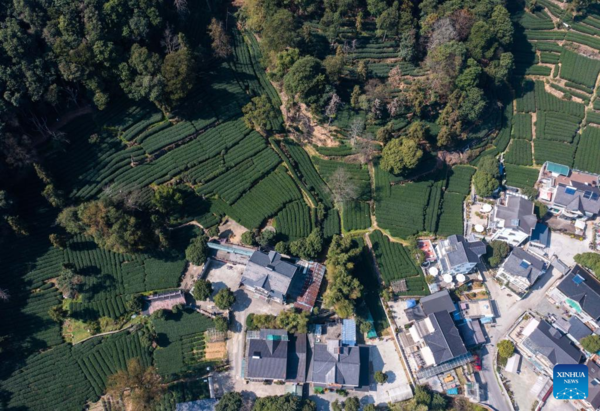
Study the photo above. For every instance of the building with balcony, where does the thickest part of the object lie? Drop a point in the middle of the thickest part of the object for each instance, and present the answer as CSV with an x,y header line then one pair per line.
x,y
570,194
521,269
458,255
513,220
579,294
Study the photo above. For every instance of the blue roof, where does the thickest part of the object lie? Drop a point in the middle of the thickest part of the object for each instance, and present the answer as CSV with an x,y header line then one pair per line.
x,y
349,332
557,168
231,249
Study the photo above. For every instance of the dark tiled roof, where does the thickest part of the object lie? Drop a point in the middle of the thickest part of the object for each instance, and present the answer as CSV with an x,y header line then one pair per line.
x,y
471,333
551,343
460,251
593,384
267,357
445,342
439,301
269,272
517,214
341,365
577,201
586,292
578,329
541,234
520,263
296,360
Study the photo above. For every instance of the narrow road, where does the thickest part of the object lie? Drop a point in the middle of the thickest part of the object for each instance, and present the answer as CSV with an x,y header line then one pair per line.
x,y
509,311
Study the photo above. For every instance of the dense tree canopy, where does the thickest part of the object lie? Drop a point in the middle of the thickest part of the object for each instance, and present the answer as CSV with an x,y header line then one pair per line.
x,y
112,226
497,252
343,288
400,155
589,260
485,179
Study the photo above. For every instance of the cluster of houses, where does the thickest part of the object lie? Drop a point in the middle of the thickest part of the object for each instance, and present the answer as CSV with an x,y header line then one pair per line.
x,y
336,360
558,340
270,276
440,333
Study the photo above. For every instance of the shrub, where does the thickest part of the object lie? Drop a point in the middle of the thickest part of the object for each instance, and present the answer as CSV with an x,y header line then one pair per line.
x,y
506,348
248,238
196,252
380,377
497,251
202,290
221,324
591,343
224,299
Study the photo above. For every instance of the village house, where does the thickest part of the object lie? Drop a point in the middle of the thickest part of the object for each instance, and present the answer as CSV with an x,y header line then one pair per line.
x,y
520,270
273,355
438,338
458,255
579,294
546,346
269,276
570,194
513,220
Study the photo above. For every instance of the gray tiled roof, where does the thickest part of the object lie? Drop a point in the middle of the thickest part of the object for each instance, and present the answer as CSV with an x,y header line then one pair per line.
x,y
520,263
551,343
460,251
577,201
445,342
439,301
471,333
296,361
269,272
586,293
267,357
517,214
593,384
336,365
578,329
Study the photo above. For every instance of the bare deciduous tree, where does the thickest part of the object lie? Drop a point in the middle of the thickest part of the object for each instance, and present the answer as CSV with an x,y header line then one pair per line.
x,y
356,129
443,32
376,108
220,40
463,21
394,106
4,295
144,385
170,41
181,6
72,94
306,127
332,107
342,187
41,125
365,148
395,77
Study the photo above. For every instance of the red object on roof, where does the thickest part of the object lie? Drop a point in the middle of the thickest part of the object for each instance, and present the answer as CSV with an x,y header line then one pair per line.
x,y
427,247
311,287
477,362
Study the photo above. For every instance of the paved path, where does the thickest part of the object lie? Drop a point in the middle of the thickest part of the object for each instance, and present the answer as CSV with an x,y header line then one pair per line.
x,y
509,311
